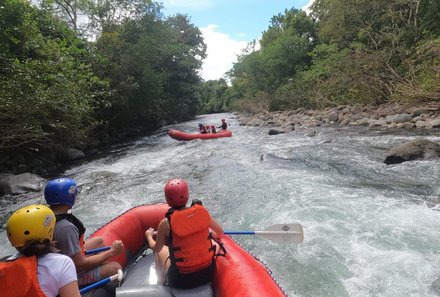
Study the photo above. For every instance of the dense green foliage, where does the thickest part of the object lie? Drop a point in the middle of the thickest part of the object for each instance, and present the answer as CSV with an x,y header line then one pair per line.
x,y
46,80
344,52
76,72
59,88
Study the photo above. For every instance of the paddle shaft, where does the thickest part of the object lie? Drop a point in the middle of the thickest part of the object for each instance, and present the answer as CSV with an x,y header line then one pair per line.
x,y
102,282
97,250
278,233
260,232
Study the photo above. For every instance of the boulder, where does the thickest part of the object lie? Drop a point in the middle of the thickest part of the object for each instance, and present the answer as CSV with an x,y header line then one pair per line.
x,y
276,131
422,110
20,184
69,154
311,133
419,148
255,122
333,116
435,123
402,118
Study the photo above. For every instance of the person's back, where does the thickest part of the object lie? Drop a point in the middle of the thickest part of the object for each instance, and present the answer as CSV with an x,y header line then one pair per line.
x,y
202,129
186,231
213,129
61,194
223,126
37,271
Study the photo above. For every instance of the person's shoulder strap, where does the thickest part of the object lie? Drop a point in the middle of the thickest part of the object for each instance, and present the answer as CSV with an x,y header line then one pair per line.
x,y
74,220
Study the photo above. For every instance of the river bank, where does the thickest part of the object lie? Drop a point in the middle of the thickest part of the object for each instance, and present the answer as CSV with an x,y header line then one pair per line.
x,y
425,117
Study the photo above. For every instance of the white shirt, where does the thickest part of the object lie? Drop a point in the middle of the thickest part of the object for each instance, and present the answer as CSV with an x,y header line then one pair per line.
x,y
54,272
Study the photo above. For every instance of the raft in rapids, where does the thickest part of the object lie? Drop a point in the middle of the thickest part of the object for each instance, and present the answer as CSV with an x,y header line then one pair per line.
x,y
185,136
238,273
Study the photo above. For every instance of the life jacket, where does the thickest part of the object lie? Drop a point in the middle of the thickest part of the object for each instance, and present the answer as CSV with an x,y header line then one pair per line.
x,y
78,224
19,278
189,241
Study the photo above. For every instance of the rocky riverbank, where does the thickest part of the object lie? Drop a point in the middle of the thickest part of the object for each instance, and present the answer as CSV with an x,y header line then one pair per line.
x,y
387,116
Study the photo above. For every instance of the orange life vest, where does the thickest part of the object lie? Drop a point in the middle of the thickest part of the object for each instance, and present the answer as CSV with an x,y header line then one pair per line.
x,y
19,278
189,241
78,224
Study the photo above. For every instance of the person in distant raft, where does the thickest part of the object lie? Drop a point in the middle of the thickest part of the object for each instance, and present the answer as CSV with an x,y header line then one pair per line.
x,y
61,194
213,129
224,126
202,129
188,260
37,270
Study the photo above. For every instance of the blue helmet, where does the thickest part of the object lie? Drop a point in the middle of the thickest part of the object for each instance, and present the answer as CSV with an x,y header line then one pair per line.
x,y
61,191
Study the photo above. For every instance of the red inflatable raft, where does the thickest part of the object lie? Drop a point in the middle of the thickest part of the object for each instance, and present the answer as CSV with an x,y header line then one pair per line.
x,y
238,273
184,136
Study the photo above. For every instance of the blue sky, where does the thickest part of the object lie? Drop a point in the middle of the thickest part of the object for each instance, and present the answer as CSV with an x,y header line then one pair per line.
x,y
227,26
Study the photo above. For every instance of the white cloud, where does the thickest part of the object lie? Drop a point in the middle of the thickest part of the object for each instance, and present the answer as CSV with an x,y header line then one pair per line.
x,y
307,7
222,51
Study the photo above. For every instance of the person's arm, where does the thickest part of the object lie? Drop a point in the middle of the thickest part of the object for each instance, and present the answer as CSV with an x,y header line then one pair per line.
x,y
162,233
217,228
86,263
70,290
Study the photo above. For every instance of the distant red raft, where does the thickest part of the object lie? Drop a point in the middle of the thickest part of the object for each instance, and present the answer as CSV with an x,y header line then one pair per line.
x,y
184,136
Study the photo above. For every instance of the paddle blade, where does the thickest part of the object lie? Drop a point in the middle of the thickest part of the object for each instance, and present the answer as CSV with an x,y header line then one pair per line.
x,y
287,233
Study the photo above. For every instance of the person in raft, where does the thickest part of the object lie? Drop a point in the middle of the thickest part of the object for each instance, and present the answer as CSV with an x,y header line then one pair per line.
x,y
213,129
61,194
224,126
202,129
188,259
37,270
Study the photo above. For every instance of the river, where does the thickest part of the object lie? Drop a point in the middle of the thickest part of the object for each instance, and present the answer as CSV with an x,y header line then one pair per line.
x,y
369,229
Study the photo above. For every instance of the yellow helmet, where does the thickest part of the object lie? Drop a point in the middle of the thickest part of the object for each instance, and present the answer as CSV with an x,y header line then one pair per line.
x,y
33,222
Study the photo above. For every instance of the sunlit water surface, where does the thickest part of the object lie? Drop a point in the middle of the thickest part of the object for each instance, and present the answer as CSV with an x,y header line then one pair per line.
x,y
370,229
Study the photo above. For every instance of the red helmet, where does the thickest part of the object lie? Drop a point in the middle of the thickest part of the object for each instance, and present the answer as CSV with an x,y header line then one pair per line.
x,y
176,192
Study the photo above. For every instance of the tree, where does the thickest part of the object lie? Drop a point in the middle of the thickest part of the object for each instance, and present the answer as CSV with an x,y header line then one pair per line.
x,y
46,84
284,51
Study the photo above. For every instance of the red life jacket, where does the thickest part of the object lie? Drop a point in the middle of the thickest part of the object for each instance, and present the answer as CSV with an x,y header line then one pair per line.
x,y
189,241
19,278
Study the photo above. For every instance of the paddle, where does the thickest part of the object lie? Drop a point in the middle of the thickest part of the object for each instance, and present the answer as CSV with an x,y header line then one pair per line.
x,y
287,233
104,281
97,250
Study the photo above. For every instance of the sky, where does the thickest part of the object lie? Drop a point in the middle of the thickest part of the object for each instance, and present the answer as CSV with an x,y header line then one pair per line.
x,y
228,26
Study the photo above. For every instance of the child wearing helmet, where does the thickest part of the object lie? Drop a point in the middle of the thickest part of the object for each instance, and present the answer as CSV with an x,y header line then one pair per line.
x,y
187,260
61,194
37,270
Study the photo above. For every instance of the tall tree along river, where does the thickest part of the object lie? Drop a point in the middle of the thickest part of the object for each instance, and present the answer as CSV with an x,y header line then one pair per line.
x,y
369,229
